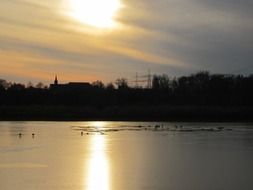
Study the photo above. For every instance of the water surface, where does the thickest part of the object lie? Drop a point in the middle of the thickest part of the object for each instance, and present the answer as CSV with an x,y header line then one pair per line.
x,y
125,156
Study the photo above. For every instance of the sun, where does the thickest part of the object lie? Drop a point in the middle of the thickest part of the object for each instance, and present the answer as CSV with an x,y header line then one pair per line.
x,y
96,13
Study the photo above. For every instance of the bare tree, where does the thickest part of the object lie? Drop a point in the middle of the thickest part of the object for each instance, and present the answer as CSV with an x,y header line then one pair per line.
x,y
122,83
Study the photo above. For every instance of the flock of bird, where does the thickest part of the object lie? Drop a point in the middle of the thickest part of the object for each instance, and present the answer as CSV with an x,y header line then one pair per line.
x,y
20,135
156,127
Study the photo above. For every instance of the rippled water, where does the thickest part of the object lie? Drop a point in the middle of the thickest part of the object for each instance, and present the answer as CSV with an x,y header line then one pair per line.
x,y
125,156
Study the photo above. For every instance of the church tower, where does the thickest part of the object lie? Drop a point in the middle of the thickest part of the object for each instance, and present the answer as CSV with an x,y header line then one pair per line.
x,y
55,80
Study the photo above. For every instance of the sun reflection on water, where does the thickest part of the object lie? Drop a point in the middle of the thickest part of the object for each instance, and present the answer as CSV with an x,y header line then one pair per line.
x,y
98,173
99,124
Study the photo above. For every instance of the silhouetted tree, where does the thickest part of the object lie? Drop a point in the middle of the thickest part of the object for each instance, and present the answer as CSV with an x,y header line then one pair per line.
x,y
98,84
110,86
40,85
17,87
122,83
29,84
4,84
161,82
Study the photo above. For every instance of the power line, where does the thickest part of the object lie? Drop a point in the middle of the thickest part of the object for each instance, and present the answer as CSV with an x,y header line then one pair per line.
x,y
136,80
142,79
149,79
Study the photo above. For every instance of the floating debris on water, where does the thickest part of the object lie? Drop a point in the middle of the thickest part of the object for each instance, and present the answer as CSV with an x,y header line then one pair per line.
x,y
157,128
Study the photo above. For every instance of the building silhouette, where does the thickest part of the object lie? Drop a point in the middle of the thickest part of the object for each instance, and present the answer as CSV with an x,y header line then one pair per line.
x,y
69,86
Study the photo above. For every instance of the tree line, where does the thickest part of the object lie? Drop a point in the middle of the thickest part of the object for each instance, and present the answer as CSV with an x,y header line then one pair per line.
x,y
199,89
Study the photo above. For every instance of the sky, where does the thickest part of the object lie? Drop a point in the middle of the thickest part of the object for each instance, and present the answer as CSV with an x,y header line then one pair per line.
x,y
39,39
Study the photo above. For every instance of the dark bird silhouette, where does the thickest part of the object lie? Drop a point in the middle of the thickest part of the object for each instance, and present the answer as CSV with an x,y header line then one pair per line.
x,y
157,126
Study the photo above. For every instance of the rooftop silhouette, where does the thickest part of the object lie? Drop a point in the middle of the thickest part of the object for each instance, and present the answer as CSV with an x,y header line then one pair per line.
x,y
69,86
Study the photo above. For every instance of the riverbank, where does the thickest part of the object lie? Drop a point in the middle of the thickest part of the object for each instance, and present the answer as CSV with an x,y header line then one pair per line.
x,y
126,113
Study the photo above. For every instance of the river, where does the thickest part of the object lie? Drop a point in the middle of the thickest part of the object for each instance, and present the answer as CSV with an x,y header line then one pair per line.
x,y
125,156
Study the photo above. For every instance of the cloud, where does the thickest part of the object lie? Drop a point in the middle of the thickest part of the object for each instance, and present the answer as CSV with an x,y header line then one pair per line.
x,y
206,35
173,37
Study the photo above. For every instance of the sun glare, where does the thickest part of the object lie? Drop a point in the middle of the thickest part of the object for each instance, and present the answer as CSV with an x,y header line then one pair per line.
x,y
98,177
98,124
96,13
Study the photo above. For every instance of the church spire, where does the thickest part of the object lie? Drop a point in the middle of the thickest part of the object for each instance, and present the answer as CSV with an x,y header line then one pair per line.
x,y
55,80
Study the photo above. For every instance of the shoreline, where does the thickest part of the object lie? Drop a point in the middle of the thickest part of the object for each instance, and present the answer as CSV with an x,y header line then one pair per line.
x,y
162,113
